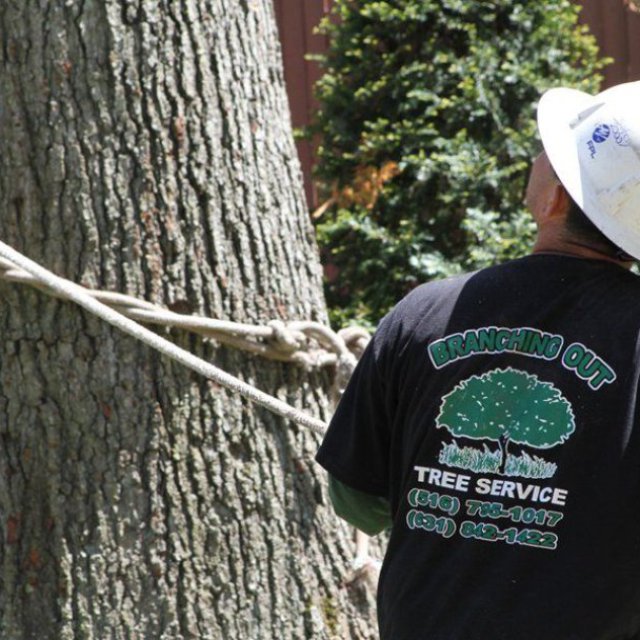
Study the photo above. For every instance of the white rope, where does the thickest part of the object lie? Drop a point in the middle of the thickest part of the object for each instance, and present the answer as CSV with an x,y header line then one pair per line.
x,y
309,344
71,291
16,267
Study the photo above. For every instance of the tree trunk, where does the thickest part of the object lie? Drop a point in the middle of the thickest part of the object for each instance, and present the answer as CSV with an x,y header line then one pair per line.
x,y
504,453
147,149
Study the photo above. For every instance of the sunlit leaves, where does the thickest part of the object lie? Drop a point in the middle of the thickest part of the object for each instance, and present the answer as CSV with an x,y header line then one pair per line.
x,y
445,91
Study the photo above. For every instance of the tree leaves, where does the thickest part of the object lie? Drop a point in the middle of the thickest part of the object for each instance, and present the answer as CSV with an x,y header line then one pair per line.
x,y
446,91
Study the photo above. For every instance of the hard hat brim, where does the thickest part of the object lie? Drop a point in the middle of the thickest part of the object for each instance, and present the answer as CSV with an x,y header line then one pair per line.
x,y
558,113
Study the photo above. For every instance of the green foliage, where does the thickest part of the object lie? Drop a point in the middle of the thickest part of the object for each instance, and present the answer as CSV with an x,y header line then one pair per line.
x,y
427,132
508,405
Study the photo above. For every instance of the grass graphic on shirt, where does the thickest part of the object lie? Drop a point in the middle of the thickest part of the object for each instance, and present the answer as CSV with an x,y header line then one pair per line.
x,y
505,406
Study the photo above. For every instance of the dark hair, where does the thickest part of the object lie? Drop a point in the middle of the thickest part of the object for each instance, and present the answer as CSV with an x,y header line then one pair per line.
x,y
579,224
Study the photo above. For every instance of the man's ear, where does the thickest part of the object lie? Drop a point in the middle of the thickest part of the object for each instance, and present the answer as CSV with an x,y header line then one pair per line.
x,y
558,202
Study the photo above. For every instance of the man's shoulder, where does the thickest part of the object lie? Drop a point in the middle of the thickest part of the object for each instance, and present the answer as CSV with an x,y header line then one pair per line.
x,y
529,270
436,291
427,304
522,283
427,291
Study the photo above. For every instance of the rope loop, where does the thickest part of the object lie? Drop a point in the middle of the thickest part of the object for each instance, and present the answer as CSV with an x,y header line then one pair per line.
x,y
283,338
356,339
345,366
306,343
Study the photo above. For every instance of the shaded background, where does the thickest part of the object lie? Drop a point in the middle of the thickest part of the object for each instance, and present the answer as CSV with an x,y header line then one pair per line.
x,y
614,25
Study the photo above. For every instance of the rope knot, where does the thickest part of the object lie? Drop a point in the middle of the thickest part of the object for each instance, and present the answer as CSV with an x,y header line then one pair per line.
x,y
355,338
344,369
284,339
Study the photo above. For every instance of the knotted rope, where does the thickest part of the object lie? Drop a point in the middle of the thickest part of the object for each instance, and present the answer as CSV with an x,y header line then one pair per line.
x,y
308,344
283,342
50,283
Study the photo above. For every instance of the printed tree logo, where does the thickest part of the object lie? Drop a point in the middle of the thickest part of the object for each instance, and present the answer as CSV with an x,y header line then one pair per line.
x,y
505,406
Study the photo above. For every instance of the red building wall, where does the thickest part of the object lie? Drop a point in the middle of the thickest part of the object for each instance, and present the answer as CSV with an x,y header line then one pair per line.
x,y
297,20
617,29
615,25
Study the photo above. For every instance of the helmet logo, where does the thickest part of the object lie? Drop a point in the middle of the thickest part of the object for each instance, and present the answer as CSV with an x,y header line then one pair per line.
x,y
621,135
601,133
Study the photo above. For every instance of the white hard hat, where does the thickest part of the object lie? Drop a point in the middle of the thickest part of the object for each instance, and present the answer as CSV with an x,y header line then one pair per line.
x,y
593,144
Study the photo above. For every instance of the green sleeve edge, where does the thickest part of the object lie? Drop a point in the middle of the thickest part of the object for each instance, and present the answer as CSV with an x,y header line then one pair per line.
x,y
371,514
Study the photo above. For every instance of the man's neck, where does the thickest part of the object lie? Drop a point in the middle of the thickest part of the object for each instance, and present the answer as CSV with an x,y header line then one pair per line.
x,y
560,245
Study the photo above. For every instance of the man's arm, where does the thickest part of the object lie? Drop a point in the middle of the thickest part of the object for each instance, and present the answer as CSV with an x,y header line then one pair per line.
x,y
369,513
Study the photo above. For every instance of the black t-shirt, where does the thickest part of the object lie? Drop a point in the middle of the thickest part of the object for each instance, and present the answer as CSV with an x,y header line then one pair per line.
x,y
497,412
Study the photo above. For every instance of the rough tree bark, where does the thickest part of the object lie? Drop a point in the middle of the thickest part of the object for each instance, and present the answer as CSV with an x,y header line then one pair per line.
x,y
146,149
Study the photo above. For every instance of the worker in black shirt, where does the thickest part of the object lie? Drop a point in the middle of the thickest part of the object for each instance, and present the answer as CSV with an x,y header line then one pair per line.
x,y
493,422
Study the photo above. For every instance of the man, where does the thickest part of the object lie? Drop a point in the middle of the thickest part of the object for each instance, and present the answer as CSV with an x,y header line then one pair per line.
x,y
494,420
